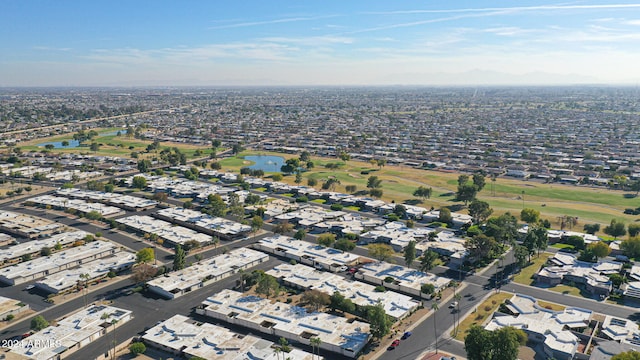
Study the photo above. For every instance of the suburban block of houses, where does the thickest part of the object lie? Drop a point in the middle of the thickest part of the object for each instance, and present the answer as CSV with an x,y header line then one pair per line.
x,y
337,334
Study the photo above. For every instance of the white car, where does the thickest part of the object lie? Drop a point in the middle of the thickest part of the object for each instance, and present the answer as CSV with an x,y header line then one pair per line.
x,y
343,268
453,305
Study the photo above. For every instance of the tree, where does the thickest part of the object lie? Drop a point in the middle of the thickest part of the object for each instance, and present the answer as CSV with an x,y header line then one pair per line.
x,y
237,148
410,253
466,192
351,188
631,247
300,234
400,210
94,147
382,252
139,182
316,299
478,344
216,205
298,179
145,255
482,247
144,166
344,244
478,181
600,249
143,272
506,341
591,228
277,177
45,251
428,260
633,229
628,355
137,348
283,228
312,182
378,320
615,229
530,216
479,211
434,308
503,228
428,289
268,285
542,238
444,215
315,344
423,192
520,254
376,193
178,259
326,239
256,223
567,221
373,182
38,323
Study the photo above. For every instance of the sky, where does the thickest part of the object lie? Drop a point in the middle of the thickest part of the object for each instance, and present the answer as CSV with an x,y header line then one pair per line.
x,y
309,42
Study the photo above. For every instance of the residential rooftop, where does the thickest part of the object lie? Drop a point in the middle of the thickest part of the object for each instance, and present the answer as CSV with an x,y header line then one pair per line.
x,y
305,277
183,336
337,334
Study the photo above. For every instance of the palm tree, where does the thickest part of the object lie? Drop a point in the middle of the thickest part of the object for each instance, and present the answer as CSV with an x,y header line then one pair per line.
x,y
85,277
113,322
434,307
457,297
315,343
215,241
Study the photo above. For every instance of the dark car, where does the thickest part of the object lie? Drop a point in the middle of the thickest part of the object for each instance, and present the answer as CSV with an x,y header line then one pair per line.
x,y
406,335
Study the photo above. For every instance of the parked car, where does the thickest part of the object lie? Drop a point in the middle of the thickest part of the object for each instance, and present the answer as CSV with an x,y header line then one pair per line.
x,y
395,342
343,268
406,335
353,270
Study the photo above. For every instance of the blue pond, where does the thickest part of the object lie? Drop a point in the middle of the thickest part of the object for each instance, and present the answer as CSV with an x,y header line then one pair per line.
x,y
75,143
266,163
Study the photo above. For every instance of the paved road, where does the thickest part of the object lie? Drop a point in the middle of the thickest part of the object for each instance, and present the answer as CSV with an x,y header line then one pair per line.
x,y
147,310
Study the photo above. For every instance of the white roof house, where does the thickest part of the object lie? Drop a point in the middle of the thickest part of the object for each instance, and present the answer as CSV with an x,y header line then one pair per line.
x,y
306,252
56,262
59,202
72,332
177,283
183,336
395,305
406,279
120,200
165,230
27,225
67,279
337,334
225,229
545,326
31,247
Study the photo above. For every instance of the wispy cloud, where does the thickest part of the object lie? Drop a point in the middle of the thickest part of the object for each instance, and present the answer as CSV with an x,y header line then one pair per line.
x,y
311,40
49,48
510,9
271,22
240,51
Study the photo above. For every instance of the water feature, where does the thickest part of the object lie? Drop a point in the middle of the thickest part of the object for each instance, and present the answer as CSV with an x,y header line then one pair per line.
x,y
266,163
75,143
